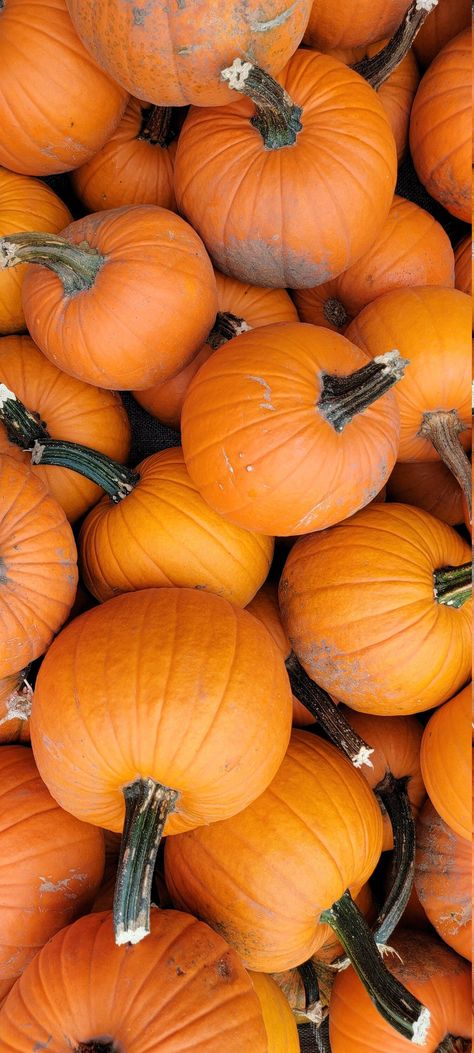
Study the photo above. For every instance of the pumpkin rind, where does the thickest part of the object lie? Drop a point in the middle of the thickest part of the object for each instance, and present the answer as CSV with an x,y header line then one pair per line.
x,y
443,880
429,485
445,22
352,23
280,1024
463,265
446,762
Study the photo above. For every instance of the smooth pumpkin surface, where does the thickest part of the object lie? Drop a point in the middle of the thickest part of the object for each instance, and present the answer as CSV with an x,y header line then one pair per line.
x,y
15,706
150,996
352,23
463,265
358,604
264,606
443,880
38,566
280,1024
25,204
445,22
429,485
71,410
61,120
446,762
57,863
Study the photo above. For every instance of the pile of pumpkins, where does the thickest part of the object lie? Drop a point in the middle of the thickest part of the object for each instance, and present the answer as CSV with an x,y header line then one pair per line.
x,y
235,705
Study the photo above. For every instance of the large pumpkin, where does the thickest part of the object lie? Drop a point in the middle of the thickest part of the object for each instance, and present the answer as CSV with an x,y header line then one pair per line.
x,y
378,609
352,23
443,880
71,106
272,185
429,485
446,762
447,20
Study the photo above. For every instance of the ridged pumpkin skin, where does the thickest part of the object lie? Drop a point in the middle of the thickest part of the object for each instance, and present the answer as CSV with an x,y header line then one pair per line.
x,y
446,762
280,1024
440,127
429,485
263,877
122,332
264,606
71,410
259,450
443,880
200,699
25,204
38,566
256,306
163,533
445,22
463,265
294,216
63,119
14,700
438,977
352,23
411,249
358,605
128,170
150,996
57,863
432,329
173,55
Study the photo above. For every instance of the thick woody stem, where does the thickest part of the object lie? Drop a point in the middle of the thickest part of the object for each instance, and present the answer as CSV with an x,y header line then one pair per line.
x,y
451,1044
342,397
116,479
277,118
321,1037
22,426
225,327
76,266
443,428
453,585
95,1046
156,126
379,67
393,794
335,313
327,713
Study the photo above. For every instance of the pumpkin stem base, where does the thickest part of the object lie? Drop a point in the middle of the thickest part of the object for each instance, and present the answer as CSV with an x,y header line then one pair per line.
x,y
453,585
76,266
393,794
335,313
325,711
379,67
116,479
276,117
95,1046
225,327
443,429
22,426
342,397
451,1044
320,1037
156,126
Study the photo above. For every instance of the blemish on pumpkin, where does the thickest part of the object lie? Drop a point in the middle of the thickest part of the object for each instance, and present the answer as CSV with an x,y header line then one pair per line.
x,y
224,968
267,396
273,23
179,971
3,572
62,885
42,1045
227,461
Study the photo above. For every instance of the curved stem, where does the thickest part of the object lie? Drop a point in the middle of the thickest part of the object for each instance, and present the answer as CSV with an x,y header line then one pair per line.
x,y
156,126
309,979
393,794
453,1044
342,397
225,327
277,118
325,711
391,999
443,428
379,67
147,806
321,1037
453,585
335,312
117,480
76,266
22,426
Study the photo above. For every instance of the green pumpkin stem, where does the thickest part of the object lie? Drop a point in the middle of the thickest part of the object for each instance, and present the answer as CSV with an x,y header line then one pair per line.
x,y
22,426
276,116
116,479
379,67
453,1044
453,585
443,428
147,806
327,713
156,126
309,978
76,265
393,794
391,999
342,397
225,327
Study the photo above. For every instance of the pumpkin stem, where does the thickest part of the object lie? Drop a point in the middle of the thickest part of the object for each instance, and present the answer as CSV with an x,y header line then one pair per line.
x,y
451,1044
317,981
22,426
276,116
309,979
328,714
443,428
379,67
156,126
453,585
116,479
320,1037
96,1046
335,312
75,265
225,327
342,397
393,795
391,999
18,705
147,806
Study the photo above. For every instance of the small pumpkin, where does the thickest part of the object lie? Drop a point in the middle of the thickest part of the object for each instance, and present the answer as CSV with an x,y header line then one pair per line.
x,y
446,761
429,485
280,1024
15,708
443,880
463,265
447,20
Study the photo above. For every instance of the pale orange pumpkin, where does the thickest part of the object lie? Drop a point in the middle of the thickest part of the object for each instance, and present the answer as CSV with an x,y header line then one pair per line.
x,y
446,761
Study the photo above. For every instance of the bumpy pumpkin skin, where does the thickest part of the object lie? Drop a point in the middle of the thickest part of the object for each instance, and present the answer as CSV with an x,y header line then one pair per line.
x,y
63,119
431,971
440,127
443,880
463,265
295,216
149,996
358,604
280,1024
352,23
429,485
57,861
445,22
173,55
446,761
25,204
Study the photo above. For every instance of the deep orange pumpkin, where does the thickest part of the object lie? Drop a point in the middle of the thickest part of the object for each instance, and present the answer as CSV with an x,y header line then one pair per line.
x,y
463,265
280,1024
446,761
352,23
443,880
429,485
446,21
264,606
15,709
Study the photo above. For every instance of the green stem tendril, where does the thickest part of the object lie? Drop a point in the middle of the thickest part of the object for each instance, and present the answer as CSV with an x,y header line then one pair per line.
x,y
22,426
393,795
443,428
379,67
225,327
277,118
327,713
116,479
76,265
453,585
342,397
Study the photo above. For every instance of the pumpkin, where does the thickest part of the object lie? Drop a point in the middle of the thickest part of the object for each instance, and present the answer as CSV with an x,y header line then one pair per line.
x,y
284,430
201,720
448,19
443,880
440,127
15,709
240,307
280,1024
68,409
182,988
57,863
137,268
264,606
63,119
446,761
378,610
38,566
463,265
352,23
429,485
410,249
288,217
25,204
135,166
434,974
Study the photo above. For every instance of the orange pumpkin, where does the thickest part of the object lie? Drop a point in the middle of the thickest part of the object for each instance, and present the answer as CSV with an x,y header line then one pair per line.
x,y
264,606
38,566
447,20
440,127
352,23
280,1024
411,249
463,265
428,485
326,217
15,709
25,204
71,107
378,610
443,880
446,762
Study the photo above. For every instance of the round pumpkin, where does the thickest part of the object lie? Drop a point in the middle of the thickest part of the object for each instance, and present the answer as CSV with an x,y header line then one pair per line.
x,y
443,880
71,106
447,20
440,127
280,1024
378,610
38,566
352,23
446,762
429,485
25,204
463,265
264,606
411,249
15,709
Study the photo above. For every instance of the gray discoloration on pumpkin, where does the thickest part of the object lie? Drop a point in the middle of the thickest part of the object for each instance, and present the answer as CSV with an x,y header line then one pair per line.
x,y
267,393
46,885
3,572
269,263
273,23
